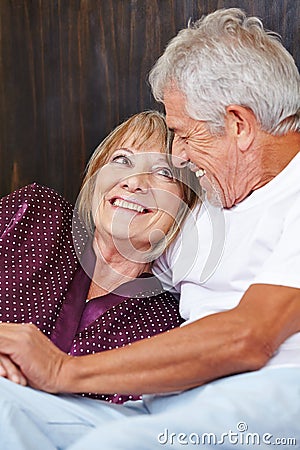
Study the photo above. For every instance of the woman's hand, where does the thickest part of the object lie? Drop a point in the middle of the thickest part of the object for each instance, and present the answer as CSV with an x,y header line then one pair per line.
x,y
10,371
26,352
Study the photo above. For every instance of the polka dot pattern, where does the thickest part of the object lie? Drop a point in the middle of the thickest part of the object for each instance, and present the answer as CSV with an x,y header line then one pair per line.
x,y
129,321
37,259
37,265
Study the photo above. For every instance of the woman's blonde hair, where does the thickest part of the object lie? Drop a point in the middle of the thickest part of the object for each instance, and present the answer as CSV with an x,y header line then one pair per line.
x,y
138,128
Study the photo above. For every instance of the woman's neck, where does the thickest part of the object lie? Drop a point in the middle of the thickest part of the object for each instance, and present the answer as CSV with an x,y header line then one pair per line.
x,y
112,268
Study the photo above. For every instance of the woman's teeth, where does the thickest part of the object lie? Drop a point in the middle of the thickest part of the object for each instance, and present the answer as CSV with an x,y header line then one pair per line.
x,y
127,205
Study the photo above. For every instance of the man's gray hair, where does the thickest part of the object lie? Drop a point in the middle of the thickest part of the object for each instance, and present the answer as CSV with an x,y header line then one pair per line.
x,y
228,58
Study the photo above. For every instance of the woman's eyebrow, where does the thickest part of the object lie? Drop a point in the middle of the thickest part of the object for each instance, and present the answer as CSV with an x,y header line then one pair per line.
x,y
162,159
124,149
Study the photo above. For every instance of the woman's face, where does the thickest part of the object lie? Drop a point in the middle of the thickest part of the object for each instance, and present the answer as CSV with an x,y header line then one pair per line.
x,y
136,198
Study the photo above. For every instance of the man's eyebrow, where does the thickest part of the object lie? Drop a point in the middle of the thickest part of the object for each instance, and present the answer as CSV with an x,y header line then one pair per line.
x,y
177,131
174,130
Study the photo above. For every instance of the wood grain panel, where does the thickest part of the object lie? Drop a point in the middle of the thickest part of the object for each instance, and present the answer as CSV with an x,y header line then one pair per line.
x,y
71,70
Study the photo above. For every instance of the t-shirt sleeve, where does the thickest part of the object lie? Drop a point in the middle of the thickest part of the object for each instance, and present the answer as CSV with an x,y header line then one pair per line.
x,y
283,265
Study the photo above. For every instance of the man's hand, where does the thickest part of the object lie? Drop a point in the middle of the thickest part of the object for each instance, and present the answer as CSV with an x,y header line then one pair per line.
x,y
10,371
26,352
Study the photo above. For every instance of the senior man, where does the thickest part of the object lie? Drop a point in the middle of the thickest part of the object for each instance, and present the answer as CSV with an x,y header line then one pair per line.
x,y
231,374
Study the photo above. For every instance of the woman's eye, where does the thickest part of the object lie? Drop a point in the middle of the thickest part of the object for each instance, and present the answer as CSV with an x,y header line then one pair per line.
x,y
165,172
122,159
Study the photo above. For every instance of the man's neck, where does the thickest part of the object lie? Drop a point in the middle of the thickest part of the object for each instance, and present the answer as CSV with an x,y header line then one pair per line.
x,y
276,152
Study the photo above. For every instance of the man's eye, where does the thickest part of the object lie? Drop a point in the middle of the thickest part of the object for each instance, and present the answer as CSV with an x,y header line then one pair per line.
x,y
181,138
164,172
122,159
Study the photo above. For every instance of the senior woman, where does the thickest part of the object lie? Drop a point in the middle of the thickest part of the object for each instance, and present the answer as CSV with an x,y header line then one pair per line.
x,y
91,289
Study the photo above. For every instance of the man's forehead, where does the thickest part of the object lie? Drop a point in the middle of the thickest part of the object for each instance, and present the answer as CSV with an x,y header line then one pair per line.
x,y
176,114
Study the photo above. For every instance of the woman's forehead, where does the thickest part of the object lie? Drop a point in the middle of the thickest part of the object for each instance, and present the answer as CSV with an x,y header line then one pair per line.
x,y
151,143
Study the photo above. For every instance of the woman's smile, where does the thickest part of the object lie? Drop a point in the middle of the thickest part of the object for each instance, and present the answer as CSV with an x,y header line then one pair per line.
x,y
130,205
136,195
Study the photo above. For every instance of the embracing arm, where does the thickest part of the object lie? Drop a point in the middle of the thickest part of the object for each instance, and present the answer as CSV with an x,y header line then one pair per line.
x,y
242,339
239,340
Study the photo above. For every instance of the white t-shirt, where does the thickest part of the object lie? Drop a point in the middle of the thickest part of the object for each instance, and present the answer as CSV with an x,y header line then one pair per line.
x,y
222,252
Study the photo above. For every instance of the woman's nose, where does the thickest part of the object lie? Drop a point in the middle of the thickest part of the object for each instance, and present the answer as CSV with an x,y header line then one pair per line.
x,y
136,183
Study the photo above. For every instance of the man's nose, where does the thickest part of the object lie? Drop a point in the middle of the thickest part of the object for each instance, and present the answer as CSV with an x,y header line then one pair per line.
x,y
179,156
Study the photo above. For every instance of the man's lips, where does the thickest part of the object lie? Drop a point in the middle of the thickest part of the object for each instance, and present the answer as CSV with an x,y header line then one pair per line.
x,y
129,204
199,172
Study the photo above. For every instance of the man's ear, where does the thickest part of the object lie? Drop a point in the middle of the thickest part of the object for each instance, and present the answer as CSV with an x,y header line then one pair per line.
x,y
242,124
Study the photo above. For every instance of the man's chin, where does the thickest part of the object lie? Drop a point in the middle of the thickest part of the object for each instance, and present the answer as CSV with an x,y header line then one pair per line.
x,y
213,199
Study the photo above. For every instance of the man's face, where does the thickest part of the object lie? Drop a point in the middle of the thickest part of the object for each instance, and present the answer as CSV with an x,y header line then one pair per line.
x,y
217,155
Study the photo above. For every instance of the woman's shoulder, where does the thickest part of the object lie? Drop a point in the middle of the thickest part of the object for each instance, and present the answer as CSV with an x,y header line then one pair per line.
x,y
33,202
35,192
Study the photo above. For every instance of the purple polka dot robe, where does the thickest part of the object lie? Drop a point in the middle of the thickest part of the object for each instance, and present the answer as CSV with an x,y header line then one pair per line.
x,y
42,281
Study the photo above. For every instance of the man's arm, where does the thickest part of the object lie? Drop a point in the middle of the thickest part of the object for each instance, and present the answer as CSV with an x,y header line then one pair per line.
x,y
238,340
